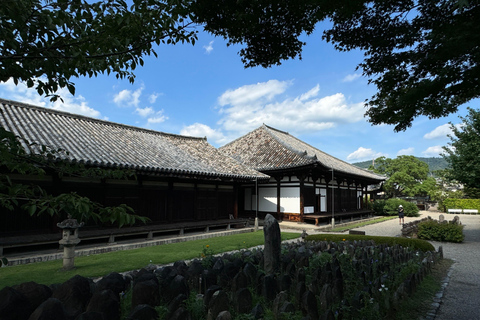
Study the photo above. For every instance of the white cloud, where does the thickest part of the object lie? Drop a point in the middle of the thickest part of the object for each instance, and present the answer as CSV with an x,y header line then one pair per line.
x,y
248,107
145,112
158,118
73,104
201,130
405,152
351,77
208,48
439,132
310,94
153,97
253,94
362,154
434,151
128,98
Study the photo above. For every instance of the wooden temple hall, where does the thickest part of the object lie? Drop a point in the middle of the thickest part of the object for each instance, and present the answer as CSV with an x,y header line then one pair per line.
x,y
181,179
305,182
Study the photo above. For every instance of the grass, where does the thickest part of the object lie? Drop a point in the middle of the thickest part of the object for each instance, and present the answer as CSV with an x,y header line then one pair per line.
x,y
416,306
361,224
120,261
50,272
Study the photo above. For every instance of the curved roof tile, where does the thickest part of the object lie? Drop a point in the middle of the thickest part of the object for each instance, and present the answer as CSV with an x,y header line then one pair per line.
x,y
267,148
108,144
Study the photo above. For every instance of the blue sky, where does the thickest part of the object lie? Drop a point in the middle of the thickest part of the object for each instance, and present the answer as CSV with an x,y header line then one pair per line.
x,y
204,90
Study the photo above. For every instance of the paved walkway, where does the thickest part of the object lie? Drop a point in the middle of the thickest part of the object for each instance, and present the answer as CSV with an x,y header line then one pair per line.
x,y
461,297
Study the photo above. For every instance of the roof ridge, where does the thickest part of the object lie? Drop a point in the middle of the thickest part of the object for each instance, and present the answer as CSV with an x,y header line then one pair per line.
x,y
303,154
83,117
316,149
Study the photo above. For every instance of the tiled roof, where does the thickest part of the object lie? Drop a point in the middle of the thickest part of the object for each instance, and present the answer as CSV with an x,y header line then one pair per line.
x,y
267,149
107,144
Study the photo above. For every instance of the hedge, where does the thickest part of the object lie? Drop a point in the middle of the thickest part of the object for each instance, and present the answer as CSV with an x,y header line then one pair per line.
x,y
436,231
416,244
390,207
461,204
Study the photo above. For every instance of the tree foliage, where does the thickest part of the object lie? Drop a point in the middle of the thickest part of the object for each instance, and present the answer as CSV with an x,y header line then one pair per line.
x,y
406,176
46,43
463,150
423,56
269,30
18,156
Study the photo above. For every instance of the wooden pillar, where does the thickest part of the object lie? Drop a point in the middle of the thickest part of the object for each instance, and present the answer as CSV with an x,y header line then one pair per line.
x,y
235,201
170,203
279,214
302,198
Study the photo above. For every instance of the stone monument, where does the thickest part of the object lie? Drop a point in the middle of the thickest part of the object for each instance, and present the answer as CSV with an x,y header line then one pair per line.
x,y
69,241
273,242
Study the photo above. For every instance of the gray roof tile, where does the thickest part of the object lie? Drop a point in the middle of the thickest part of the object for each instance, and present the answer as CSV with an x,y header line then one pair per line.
x,y
108,144
267,149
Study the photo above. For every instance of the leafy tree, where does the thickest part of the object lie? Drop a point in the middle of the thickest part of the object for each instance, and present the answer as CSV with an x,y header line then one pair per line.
x,y
406,175
390,207
46,43
421,55
462,152
17,156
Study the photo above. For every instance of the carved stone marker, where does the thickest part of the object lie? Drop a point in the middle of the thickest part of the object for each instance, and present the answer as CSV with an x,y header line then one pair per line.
x,y
69,241
273,242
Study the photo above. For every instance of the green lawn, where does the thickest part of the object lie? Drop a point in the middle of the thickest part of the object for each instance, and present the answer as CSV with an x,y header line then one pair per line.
x,y
361,224
102,264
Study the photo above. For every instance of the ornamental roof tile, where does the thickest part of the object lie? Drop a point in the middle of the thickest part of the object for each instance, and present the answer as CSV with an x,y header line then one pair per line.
x,y
107,144
267,149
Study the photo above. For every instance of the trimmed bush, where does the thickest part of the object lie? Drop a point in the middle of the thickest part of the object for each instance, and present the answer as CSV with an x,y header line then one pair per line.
x,y
378,206
390,207
436,231
415,244
450,203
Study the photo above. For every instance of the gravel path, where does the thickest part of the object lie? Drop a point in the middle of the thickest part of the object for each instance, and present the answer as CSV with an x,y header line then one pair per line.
x,y
461,298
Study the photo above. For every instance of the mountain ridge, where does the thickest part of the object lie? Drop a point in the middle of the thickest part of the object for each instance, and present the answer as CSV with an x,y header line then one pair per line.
x,y
434,163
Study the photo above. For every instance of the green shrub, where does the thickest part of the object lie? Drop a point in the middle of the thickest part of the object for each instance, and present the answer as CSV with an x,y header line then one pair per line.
x,y
390,207
416,244
377,206
436,231
451,203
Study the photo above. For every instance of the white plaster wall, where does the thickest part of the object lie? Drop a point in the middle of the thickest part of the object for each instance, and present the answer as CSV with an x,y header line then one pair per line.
x,y
323,204
268,199
290,200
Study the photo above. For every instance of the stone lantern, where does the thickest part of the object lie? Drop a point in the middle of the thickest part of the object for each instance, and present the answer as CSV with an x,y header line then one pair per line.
x,y
69,241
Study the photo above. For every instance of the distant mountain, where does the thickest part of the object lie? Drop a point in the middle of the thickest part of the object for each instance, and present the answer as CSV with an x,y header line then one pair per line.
x,y
433,163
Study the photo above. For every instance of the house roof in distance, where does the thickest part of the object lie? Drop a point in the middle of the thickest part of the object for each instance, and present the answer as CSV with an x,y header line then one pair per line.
x,y
107,144
267,149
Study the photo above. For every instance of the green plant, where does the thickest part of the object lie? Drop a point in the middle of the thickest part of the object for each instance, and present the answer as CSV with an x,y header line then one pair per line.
x,y
461,204
436,231
391,207
207,256
125,303
195,306
162,311
415,244
378,206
